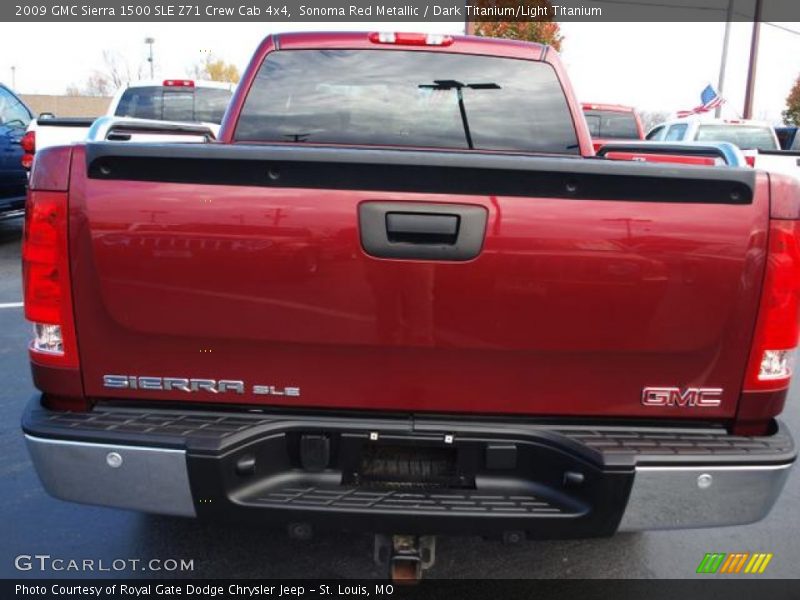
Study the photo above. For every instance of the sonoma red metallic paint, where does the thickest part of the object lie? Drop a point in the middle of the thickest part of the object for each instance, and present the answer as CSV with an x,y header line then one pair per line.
x,y
571,308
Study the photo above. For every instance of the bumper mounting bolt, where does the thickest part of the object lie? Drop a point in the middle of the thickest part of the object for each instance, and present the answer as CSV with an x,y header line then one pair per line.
x,y
114,460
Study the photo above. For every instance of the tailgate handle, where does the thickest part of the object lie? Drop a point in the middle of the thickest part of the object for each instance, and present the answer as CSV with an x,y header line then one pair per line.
x,y
420,228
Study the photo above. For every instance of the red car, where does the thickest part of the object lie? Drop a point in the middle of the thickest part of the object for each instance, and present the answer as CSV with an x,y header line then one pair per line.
x,y
612,122
402,295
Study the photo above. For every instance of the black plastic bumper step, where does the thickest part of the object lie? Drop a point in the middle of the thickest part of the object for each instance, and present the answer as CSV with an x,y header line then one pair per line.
x,y
461,502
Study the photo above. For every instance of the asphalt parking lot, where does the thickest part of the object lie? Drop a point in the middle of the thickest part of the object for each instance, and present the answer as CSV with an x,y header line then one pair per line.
x,y
34,523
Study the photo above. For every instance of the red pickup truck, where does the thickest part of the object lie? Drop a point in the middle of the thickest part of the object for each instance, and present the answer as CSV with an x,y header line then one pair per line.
x,y
401,295
609,122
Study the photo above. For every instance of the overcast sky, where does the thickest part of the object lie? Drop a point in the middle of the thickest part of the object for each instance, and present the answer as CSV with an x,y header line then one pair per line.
x,y
654,66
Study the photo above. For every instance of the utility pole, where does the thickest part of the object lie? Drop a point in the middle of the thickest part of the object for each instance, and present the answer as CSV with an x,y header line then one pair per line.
x,y
150,41
751,70
724,61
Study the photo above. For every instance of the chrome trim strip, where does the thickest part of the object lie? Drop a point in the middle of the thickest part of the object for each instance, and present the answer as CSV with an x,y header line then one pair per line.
x,y
154,480
687,497
103,126
12,214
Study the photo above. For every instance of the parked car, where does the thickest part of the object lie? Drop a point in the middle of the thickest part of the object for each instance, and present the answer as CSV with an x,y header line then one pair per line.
x,y
171,100
612,122
502,334
786,162
788,138
14,118
746,134
758,141
175,100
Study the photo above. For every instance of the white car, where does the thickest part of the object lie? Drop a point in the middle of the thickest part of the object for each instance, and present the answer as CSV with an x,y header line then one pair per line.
x,y
747,135
757,140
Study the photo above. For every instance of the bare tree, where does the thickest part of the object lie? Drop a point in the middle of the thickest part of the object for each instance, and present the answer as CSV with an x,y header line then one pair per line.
x,y
116,72
99,84
651,118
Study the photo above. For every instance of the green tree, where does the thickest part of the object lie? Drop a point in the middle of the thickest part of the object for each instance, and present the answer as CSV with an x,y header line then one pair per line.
x,y
791,116
543,30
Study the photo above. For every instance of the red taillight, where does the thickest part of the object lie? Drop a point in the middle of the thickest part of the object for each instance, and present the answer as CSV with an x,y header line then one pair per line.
x,y
778,325
45,275
750,160
28,143
178,83
410,39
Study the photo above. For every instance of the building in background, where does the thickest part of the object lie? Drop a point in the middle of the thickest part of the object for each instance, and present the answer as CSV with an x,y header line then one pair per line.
x,y
67,106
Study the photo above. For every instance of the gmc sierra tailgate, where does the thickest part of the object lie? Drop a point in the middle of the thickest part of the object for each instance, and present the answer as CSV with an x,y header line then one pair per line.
x,y
413,281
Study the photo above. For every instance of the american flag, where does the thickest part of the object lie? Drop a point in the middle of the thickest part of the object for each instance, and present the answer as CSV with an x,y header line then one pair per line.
x,y
710,99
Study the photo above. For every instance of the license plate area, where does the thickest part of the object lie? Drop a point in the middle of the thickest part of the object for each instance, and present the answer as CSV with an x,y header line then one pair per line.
x,y
408,466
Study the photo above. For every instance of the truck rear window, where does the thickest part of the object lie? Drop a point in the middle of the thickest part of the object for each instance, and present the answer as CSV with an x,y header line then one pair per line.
x,y
612,124
407,98
747,137
191,105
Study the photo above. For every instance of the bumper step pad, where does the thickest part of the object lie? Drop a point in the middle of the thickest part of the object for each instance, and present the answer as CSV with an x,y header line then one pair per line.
x,y
467,502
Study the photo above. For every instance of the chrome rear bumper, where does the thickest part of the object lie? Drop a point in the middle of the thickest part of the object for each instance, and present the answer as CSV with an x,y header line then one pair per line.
x,y
173,462
153,480
713,496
